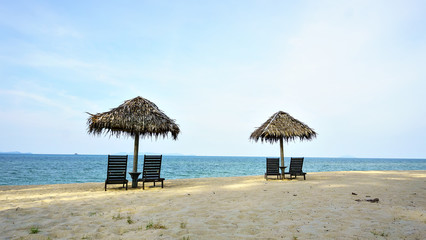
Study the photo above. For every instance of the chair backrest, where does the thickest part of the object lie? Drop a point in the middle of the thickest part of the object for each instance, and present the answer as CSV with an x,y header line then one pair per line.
x,y
272,166
296,165
151,166
117,167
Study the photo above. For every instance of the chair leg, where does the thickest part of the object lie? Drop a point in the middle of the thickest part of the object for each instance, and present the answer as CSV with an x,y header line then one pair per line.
x,y
304,176
143,185
105,186
162,184
126,185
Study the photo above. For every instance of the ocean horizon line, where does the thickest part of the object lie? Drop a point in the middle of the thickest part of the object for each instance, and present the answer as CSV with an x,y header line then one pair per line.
x,y
195,155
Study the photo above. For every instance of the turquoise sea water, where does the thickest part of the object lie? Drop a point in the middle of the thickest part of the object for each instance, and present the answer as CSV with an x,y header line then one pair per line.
x,y
30,169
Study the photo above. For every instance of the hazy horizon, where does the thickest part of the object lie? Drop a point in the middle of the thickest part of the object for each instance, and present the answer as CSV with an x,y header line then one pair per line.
x,y
193,155
351,70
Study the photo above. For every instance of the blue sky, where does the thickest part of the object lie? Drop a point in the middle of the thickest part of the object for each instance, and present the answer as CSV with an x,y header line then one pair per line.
x,y
352,70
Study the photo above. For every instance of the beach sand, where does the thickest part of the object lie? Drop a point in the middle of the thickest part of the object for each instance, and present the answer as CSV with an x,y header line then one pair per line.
x,y
322,207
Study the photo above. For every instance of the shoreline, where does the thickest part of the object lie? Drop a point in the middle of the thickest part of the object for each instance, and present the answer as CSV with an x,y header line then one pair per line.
x,y
246,207
173,179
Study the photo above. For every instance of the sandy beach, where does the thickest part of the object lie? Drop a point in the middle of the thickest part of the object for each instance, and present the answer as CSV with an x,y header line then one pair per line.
x,y
328,205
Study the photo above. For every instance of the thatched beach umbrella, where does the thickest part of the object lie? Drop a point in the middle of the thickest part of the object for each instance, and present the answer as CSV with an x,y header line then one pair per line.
x,y
281,126
137,117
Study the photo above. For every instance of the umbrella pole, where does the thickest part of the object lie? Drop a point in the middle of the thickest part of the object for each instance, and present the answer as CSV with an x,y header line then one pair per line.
x,y
135,174
136,153
282,151
282,157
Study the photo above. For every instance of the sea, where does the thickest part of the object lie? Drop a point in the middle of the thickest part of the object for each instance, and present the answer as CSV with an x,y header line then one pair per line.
x,y
35,169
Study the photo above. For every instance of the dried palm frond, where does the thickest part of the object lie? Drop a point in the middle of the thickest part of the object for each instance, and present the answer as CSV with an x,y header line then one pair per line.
x,y
282,126
137,116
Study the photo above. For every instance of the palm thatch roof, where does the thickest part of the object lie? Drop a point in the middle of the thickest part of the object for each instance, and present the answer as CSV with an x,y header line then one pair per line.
x,y
282,126
135,117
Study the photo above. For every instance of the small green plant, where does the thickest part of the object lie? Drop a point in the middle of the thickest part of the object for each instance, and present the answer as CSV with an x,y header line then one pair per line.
x,y
129,220
185,238
182,225
152,225
383,234
149,225
294,238
117,217
34,230
92,214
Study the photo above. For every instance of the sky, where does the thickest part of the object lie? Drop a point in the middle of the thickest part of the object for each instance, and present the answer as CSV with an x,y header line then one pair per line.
x,y
354,71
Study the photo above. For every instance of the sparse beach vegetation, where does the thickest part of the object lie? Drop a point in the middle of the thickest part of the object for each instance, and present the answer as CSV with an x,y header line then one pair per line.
x,y
152,225
129,220
34,230
382,234
117,217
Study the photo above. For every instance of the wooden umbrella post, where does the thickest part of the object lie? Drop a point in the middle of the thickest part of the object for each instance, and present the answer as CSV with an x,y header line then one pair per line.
x,y
136,153
135,174
282,157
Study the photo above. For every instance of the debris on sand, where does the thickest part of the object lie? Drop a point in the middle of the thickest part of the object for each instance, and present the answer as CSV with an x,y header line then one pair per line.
x,y
375,200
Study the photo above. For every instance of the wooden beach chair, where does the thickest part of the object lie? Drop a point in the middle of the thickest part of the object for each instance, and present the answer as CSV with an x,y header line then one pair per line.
x,y
116,172
295,169
272,167
151,170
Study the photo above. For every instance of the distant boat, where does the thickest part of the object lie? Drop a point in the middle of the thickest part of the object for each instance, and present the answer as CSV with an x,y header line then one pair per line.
x,y
75,153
